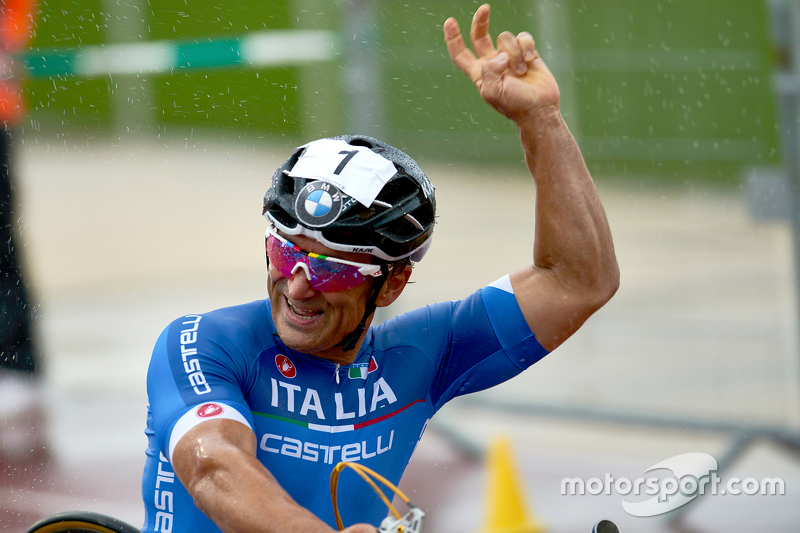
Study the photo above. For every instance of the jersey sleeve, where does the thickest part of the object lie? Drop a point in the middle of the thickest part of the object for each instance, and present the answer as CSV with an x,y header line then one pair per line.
x,y
487,341
194,376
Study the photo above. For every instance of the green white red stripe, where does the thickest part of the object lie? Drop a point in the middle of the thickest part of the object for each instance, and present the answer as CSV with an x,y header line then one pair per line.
x,y
337,429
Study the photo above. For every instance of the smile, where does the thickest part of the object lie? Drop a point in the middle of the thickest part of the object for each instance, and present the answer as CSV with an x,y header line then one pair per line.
x,y
303,314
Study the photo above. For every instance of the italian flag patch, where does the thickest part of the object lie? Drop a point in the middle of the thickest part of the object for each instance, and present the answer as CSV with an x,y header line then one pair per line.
x,y
362,370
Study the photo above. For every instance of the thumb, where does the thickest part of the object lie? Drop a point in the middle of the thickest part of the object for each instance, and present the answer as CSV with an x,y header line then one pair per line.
x,y
492,77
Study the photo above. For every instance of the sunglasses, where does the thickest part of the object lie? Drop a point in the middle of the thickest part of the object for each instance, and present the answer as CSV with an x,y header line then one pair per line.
x,y
325,274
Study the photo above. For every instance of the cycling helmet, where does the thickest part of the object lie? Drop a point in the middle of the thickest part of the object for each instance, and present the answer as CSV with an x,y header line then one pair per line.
x,y
354,193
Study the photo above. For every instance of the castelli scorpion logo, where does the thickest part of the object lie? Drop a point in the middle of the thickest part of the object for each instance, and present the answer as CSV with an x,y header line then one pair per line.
x,y
285,366
209,409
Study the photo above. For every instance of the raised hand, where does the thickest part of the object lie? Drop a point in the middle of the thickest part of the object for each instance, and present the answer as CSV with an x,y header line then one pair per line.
x,y
512,78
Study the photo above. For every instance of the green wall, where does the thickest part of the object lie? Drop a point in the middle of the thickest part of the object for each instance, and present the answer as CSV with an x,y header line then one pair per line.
x,y
653,86
647,85
229,98
232,98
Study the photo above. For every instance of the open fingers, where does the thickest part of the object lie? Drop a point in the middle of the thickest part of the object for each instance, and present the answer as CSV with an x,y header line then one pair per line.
x,y
479,32
459,53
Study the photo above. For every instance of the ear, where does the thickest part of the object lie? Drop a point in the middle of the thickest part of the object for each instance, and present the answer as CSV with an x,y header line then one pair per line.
x,y
393,287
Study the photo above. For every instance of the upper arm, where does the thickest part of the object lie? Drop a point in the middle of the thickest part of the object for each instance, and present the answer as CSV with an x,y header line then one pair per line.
x,y
553,309
212,445
192,377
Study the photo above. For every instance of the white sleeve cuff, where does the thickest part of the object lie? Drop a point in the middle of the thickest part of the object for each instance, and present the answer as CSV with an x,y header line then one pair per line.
x,y
199,414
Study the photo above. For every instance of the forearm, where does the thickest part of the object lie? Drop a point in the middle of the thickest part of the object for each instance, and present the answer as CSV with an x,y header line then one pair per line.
x,y
572,235
216,462
241,496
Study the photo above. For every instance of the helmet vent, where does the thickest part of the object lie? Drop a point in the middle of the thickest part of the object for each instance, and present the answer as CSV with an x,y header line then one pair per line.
x,y
414,221
395,190
361,142
400,230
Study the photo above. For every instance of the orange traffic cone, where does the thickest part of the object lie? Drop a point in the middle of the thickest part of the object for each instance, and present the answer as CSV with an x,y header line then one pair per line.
x,y
506,510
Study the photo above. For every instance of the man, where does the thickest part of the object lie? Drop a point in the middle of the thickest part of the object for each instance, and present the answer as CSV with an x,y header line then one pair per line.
x,y
253,406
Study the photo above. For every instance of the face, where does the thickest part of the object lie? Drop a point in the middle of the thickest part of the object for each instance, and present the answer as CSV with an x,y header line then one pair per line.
x,y
312,321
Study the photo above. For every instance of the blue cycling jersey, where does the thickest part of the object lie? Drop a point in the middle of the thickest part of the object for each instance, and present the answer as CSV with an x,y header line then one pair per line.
x,y
309,413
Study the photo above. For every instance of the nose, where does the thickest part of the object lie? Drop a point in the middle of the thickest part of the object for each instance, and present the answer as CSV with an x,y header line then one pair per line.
x,y
298,286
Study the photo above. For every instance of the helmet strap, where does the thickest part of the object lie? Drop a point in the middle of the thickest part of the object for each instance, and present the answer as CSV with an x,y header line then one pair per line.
x,y
350,341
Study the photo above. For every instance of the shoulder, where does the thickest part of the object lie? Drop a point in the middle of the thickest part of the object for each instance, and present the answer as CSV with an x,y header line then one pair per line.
x,y
430,327
413,326
204,350
492,311
232,318
240,325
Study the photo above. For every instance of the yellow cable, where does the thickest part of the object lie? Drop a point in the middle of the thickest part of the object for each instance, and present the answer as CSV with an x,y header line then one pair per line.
x,y
365,477
386,483
365,472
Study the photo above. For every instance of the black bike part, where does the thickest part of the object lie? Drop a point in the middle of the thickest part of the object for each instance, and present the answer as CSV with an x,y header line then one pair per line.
x,y
81,522
605,526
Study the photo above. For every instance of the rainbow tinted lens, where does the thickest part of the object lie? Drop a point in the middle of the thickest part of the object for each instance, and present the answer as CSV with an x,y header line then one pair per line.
x,y
325,275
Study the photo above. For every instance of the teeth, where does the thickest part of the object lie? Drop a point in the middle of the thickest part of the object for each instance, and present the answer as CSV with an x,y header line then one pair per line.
x,y
304,314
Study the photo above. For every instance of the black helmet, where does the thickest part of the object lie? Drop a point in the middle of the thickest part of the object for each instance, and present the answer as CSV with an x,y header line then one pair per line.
x,y
354,193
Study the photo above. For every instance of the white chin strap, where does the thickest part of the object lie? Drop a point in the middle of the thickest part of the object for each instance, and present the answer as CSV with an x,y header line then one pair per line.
x,y
302,266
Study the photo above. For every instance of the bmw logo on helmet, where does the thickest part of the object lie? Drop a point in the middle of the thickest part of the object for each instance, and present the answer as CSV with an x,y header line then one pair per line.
x,y
318,204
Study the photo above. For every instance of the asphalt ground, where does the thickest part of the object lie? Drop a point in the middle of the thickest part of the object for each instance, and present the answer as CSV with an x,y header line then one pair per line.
x,y
122,236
